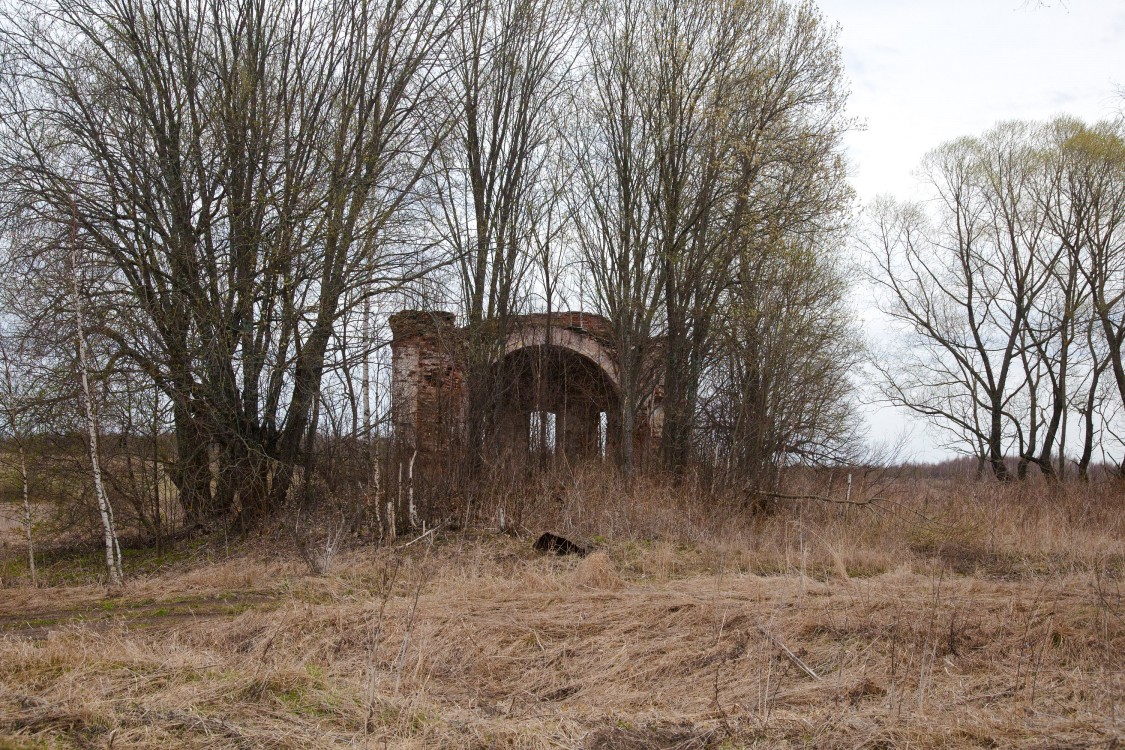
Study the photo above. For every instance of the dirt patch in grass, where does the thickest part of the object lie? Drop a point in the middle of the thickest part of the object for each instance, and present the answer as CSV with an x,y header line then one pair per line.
x,y
143,613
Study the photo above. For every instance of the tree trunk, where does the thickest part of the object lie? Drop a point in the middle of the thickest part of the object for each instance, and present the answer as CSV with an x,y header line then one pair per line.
x,y
27,517
112,550
192,471
1088,424
995,444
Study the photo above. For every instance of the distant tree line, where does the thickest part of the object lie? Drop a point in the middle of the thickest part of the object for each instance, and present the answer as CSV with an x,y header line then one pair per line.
x,y
234,195
1009,288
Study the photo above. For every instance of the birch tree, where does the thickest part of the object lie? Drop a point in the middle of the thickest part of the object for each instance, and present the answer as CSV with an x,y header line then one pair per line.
x,y
18,403
105,510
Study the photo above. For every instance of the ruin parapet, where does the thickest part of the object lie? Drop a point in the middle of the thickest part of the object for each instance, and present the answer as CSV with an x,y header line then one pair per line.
x,y
410,324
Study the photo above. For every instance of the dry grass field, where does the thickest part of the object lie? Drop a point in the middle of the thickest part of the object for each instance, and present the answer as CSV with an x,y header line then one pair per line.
x,y
952,614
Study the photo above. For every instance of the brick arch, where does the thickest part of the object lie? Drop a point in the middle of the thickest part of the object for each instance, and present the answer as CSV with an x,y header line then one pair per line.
x,y
561,385
564,366
429,397
568,335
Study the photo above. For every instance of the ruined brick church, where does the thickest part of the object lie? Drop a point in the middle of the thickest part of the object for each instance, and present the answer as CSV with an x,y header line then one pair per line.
x,y
555,383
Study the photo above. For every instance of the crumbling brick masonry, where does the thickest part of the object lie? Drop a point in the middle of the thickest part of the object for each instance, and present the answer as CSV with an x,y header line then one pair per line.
x,y
554,382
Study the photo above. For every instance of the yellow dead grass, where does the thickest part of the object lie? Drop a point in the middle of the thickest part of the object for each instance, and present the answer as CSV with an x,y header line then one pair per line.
x,y
557,653
992,626
596,572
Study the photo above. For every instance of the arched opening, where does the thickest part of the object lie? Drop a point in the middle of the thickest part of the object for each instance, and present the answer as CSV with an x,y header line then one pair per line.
x,y
553,402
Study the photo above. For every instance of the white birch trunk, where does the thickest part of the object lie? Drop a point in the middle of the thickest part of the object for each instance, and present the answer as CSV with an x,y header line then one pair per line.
x,y
27,518
112,549
411,510
366,382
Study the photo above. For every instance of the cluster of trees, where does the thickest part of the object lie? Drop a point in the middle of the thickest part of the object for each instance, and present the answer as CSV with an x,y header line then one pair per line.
x,y
1010,285
210,207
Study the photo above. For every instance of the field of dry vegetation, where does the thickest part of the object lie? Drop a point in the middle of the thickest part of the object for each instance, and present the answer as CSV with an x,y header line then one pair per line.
x,y
949,614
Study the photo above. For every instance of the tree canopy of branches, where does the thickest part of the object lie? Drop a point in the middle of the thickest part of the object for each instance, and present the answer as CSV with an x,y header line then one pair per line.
x,y
225,188
505,97
709,147
235,170
1010,291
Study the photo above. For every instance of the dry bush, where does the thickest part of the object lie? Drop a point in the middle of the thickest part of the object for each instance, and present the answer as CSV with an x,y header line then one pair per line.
x,y
319,537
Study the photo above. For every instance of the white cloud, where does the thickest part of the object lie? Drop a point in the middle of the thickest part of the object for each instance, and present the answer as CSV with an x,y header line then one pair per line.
x,y
925,72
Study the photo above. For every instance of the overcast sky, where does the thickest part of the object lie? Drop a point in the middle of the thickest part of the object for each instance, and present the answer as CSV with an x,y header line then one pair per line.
x,y
927,71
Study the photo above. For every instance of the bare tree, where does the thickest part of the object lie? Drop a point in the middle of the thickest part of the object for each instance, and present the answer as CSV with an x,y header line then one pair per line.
x,y
1005,297
965,287
615,222
1093,200
238,170
512,73
1059,319
748,115
511,78
781,387
18,403
105,510
1091,398
713,137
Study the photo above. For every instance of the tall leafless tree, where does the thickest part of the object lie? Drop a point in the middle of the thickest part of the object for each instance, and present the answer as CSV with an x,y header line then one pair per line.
x,y
238,169
713,140
1094,199
615,222
512,72
1012,293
